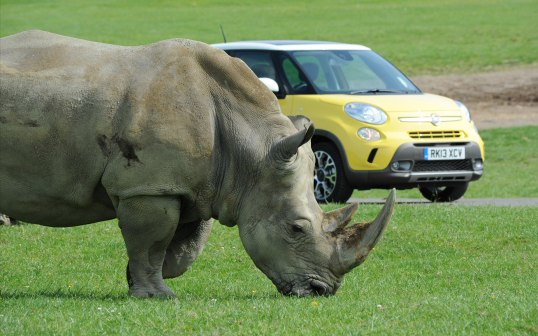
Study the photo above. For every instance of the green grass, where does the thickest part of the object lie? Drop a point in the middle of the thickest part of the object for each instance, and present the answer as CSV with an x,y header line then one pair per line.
x,y
510,166
509,169
420,36
438,270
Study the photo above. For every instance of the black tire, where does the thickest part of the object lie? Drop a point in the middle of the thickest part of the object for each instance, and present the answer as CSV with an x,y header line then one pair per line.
x,y
330,184
449,193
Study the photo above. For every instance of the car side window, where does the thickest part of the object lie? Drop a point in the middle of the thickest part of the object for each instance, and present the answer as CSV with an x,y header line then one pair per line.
x,y
291,72
259,62
296,80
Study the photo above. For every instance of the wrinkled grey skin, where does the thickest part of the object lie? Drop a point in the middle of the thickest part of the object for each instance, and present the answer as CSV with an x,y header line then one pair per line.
x,y
166,137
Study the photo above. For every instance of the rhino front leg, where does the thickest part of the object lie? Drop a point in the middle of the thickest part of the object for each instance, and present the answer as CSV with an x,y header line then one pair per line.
x,y
148,225
187,244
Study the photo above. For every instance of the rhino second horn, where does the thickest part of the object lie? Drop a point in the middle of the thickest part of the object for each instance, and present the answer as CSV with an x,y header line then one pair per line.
x,y
354,243
338,218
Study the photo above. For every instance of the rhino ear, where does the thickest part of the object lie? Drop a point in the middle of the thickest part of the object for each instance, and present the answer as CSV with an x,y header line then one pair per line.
x,y
299,121
286,148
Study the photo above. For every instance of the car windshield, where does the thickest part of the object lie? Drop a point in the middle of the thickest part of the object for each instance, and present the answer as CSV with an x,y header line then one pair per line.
x,y
352,72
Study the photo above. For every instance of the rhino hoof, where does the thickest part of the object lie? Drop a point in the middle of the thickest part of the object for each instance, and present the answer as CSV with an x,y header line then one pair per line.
x,y
160,292
144,294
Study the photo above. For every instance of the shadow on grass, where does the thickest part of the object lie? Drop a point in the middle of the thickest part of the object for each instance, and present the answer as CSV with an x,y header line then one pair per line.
x,y
61,294
181,296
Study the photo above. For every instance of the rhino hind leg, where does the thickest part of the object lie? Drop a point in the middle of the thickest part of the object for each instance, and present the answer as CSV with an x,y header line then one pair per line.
x,y
148,225
187,244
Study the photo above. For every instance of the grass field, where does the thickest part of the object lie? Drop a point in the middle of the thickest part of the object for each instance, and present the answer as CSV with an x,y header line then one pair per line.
x,y
438,270
419,36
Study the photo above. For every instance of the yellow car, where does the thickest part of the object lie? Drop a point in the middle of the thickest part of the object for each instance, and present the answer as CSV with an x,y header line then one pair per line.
x,y
374,127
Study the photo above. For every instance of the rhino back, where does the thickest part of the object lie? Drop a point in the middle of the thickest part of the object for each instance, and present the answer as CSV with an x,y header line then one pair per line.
x,y
73,111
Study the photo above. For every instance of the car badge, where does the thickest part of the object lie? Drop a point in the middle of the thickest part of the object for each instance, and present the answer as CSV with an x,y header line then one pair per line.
x,y
435,119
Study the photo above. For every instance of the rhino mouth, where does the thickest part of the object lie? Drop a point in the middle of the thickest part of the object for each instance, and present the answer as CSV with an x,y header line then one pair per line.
x,y
309,287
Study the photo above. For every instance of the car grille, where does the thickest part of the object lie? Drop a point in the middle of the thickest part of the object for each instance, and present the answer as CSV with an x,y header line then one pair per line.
x,y
436,134
443,165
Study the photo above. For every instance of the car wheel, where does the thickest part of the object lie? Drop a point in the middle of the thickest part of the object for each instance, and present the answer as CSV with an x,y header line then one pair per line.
x,y
330,184
444,193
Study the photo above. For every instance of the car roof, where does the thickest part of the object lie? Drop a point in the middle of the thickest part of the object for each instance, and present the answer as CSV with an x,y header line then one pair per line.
x,y
288,45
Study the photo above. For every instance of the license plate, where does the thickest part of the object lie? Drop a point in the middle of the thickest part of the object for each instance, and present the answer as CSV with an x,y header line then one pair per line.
x,y
444,153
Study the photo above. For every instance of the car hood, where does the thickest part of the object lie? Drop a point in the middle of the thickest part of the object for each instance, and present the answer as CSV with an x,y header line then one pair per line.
x,y
422,102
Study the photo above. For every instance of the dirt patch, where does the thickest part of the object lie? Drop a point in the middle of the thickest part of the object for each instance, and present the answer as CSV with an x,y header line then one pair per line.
x,y
503,98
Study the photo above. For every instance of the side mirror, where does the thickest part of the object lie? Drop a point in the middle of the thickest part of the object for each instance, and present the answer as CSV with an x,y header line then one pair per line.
x,y
270,83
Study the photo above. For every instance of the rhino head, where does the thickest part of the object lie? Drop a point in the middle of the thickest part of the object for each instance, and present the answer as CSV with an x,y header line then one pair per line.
x,y
303,250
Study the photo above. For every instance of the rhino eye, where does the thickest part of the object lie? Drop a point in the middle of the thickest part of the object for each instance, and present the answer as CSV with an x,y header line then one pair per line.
x,y
297,228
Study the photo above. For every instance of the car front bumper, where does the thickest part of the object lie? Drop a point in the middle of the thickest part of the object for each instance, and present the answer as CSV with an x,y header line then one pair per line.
x,y
420,171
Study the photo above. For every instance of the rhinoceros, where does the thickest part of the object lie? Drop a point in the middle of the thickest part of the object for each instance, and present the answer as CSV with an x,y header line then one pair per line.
x,y
167,137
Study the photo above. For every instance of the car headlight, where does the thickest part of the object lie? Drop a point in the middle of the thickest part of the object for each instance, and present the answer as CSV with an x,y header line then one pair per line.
x,y
465,110
365,113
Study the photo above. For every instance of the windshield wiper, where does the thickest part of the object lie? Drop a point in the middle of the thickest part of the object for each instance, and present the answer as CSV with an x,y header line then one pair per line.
x,y
376,91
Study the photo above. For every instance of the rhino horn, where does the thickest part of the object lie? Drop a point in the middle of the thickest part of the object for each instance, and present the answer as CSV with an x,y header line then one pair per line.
x,y
287,147
354,243
338,218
